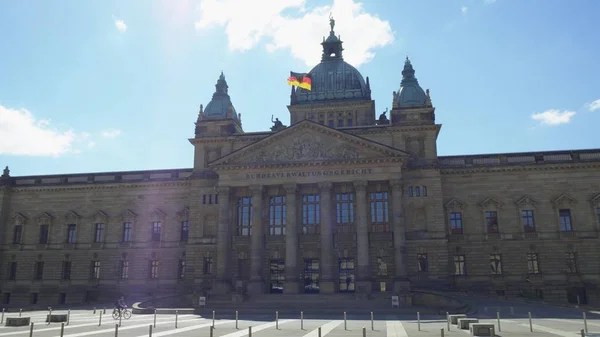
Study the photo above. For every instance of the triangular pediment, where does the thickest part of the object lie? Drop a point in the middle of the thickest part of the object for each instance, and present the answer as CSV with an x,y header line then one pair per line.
x,y
44,218
526,201
19,218
308,141
100,216
455,204
490,203
563,200
157,215
128,215
72,217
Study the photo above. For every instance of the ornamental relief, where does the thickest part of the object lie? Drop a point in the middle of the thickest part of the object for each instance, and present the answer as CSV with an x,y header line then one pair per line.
x,y
306,147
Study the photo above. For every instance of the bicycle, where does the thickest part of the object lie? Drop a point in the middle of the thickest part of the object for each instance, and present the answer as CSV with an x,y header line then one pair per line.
x,y
125,313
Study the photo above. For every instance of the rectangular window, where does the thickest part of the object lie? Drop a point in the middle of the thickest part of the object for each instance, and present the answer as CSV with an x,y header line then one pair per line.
x,y
71,233
12,271
204,199
66,270
330,123
216,198
99,233
210,199
347,275
528,221
311,213
156,231
127,232
124,270
410,191
44,230
456,225
424,191
95,270
34,298
181,271
349,122
340,123
460,268
572,267
244,216
153,269
38,273
17,233
277,215
380,211
185,231
422,262
344,206
491,222
565,220
417,191
533,264
207,265
382,268
496,264
277,275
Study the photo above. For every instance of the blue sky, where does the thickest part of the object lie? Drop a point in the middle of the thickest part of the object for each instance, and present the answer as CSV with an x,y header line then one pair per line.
x,y
107,85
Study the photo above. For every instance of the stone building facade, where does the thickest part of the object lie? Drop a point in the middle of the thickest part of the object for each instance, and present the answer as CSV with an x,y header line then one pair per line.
x,y
339,201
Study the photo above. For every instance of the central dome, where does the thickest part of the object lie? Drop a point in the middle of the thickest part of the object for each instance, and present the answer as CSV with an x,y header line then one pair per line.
x,y
333,78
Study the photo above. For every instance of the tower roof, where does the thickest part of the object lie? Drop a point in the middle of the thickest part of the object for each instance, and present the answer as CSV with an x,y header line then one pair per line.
x,y
410,95
333,78
220,107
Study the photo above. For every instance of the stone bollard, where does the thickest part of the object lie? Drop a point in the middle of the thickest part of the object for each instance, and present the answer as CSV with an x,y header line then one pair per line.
x,y
213,318
372,323
116,330
176,317
212,331
418,321
68,316
276,320
498,317
345,322
585,328
301,320
31,330
150,330
236,320
2,321
94,310
442,332
582,333
21,312
530,324
100,319
250,331
49,315
121,316
364,332
155,318
62,329
319,333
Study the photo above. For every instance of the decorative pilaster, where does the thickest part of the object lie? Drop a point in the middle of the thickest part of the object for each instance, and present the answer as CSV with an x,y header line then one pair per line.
x,y
224,242
326,284
362,237
399,226
255,286
291,240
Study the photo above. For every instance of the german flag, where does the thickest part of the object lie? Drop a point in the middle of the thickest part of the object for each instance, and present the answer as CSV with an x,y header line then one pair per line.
x,y
301,80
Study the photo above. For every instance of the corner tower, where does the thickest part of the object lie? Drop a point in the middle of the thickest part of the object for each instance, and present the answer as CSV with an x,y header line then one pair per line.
x,y
340,96
219,118
411,105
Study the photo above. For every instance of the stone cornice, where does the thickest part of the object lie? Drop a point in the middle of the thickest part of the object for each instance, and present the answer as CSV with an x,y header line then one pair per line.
x,y
370,161
69,187
528,168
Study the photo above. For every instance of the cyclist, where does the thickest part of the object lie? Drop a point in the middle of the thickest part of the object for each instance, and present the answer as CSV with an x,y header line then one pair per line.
x,y
120,304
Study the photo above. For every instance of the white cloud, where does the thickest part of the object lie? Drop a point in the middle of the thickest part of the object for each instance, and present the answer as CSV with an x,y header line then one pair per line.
x,y
120,25
249,22
553,117
464,10
111,133
21,134
593,106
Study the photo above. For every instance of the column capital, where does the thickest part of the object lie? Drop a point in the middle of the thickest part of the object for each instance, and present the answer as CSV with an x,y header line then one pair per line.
x,y
223,189
290,188
397,184
325,186
360,185
256,189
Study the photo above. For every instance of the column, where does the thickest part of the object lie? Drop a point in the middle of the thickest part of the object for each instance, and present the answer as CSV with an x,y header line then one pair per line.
x,y
256,286
401,283
362,237
291,240
223,285
326,262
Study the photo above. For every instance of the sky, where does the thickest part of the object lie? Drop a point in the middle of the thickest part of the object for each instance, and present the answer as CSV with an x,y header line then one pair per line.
x,y
109,85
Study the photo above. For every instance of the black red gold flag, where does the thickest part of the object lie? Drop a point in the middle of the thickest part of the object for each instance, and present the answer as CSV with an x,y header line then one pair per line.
x,y
301,80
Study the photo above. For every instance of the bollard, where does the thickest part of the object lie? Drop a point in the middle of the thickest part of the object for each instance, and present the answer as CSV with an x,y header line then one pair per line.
x,y
176,317
213,318
120,317
250,331
2,321
100,319
150,331
578,302
68,316
94,310
372,324
155,318
448,321
212,329
116,330
104,312
442,332
585,328
301,320
418,321
62,329
31,330
530,325
21,312
364,332
582,333
498,317
236,320
49,314
345,322
276,320
319,333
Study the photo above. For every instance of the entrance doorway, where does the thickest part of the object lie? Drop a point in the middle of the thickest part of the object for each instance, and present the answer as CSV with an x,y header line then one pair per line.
x,y
346,271
277,268
311,276
576,295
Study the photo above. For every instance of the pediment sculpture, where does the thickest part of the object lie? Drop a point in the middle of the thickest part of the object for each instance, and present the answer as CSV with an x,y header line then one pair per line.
x,y
306,147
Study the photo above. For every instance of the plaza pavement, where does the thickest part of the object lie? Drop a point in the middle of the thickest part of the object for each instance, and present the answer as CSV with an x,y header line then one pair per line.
x,y
546,321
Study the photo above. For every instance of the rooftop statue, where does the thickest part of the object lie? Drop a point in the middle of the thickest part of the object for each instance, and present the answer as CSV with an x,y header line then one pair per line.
x,y
383,120
277,125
